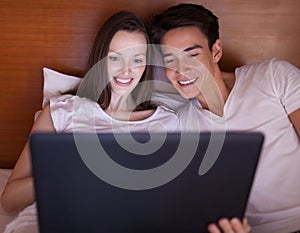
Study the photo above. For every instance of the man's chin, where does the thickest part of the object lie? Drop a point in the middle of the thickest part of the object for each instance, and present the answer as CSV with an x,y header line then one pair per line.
x,y
186,95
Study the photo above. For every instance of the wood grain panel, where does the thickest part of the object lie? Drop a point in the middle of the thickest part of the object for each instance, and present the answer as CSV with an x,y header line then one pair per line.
x,y
34,34
255,30
59,35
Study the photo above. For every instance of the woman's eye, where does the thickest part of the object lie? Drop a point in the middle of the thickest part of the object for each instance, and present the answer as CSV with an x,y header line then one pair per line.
x,y
114,58
138,60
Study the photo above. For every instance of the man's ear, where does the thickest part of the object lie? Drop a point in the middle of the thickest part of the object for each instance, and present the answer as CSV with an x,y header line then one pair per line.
x,y
217,51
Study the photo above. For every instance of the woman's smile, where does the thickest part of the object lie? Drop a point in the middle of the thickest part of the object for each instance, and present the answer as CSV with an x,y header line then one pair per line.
x,y
121,81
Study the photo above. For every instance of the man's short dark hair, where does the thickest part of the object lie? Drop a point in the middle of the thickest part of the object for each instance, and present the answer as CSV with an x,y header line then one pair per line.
x,y
183,15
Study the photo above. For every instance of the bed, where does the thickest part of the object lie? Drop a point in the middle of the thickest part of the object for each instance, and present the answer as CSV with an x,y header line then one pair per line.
x,y
59,35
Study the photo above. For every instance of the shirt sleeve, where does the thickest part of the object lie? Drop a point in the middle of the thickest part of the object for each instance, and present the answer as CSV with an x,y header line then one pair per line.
x,y
61,111
286,82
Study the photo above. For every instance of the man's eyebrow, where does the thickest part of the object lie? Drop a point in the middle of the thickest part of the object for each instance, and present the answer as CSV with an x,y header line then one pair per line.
x,y
192,47
185,50
167,54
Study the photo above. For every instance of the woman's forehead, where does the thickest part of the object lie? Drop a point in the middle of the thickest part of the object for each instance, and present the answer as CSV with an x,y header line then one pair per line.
x,y
128,42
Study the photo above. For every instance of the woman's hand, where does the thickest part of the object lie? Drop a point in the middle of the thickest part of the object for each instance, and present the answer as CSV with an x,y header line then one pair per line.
x,y
233,225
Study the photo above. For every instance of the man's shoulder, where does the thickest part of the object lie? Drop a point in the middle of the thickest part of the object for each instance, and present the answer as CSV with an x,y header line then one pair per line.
x,y
268,67
270,63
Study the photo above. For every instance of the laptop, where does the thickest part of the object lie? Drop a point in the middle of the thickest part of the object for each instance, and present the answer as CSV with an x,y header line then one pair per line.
x,y
141,182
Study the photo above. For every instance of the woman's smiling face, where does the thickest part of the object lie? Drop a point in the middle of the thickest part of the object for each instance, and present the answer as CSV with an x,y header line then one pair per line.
x,y
126,61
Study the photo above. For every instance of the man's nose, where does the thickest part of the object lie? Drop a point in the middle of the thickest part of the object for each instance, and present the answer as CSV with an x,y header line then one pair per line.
x,y
183,66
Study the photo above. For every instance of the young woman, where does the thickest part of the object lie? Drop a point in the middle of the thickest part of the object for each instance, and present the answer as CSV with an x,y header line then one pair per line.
x,y
114,95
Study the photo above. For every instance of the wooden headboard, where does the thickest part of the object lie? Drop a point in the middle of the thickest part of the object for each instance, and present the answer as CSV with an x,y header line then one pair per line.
x,y
59,34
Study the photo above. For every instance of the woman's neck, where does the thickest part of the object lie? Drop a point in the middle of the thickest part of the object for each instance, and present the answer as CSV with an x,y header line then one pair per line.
x,y
119,106
123,109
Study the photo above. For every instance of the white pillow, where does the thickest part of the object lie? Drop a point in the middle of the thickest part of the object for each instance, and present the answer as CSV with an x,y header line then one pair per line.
x,y
56,83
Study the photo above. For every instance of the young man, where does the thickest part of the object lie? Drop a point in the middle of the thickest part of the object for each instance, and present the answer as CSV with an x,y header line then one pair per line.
x,y
262,97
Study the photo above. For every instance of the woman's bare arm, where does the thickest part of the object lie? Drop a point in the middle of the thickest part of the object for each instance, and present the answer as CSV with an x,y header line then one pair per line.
x,y
19,191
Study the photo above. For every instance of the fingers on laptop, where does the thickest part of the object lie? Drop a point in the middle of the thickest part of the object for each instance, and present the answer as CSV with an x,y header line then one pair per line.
x,y
230,226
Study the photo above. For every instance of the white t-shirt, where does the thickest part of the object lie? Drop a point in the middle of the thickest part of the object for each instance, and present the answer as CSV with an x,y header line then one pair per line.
x,y
72,113
263,96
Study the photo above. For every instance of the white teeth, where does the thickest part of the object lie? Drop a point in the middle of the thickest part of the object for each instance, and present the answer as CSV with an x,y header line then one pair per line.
x,y
187,81
123,80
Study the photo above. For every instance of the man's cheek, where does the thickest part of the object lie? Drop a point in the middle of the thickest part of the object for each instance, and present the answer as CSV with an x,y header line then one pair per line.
x,y
170,73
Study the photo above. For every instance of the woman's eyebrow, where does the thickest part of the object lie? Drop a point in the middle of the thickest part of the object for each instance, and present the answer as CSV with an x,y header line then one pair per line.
x,y
192,47
139,54
112,51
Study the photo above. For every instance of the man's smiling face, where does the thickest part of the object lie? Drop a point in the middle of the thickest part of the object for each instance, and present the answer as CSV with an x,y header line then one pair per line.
x,y
188,60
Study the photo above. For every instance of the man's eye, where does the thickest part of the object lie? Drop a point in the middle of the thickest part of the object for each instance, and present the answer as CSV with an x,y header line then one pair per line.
x,y
169,60
114,58
193,55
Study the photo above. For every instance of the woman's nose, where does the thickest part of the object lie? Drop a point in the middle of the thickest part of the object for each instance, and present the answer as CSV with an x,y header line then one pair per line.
x,y
126,68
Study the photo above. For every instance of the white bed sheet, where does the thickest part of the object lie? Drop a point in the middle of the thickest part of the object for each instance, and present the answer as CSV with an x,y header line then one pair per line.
x,y
4,217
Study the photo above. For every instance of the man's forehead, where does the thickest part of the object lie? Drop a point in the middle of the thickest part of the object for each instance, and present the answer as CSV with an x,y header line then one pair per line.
x,y
169,50
183,38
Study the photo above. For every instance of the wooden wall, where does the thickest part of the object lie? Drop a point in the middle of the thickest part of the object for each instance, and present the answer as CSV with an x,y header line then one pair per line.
x,y
59,33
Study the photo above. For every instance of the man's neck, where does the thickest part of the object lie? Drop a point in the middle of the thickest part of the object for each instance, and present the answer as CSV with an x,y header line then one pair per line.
x,y
229,79
215,97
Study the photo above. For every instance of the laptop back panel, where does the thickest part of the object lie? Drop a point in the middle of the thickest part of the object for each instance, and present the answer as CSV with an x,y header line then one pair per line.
x,y
72,198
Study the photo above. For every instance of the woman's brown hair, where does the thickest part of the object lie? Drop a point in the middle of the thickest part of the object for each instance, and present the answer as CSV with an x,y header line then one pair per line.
x,y
95,84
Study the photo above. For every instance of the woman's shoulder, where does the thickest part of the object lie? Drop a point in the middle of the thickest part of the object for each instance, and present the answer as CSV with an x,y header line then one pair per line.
x,y
161,109
166,114
68,99
68,104
163,119
169,100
